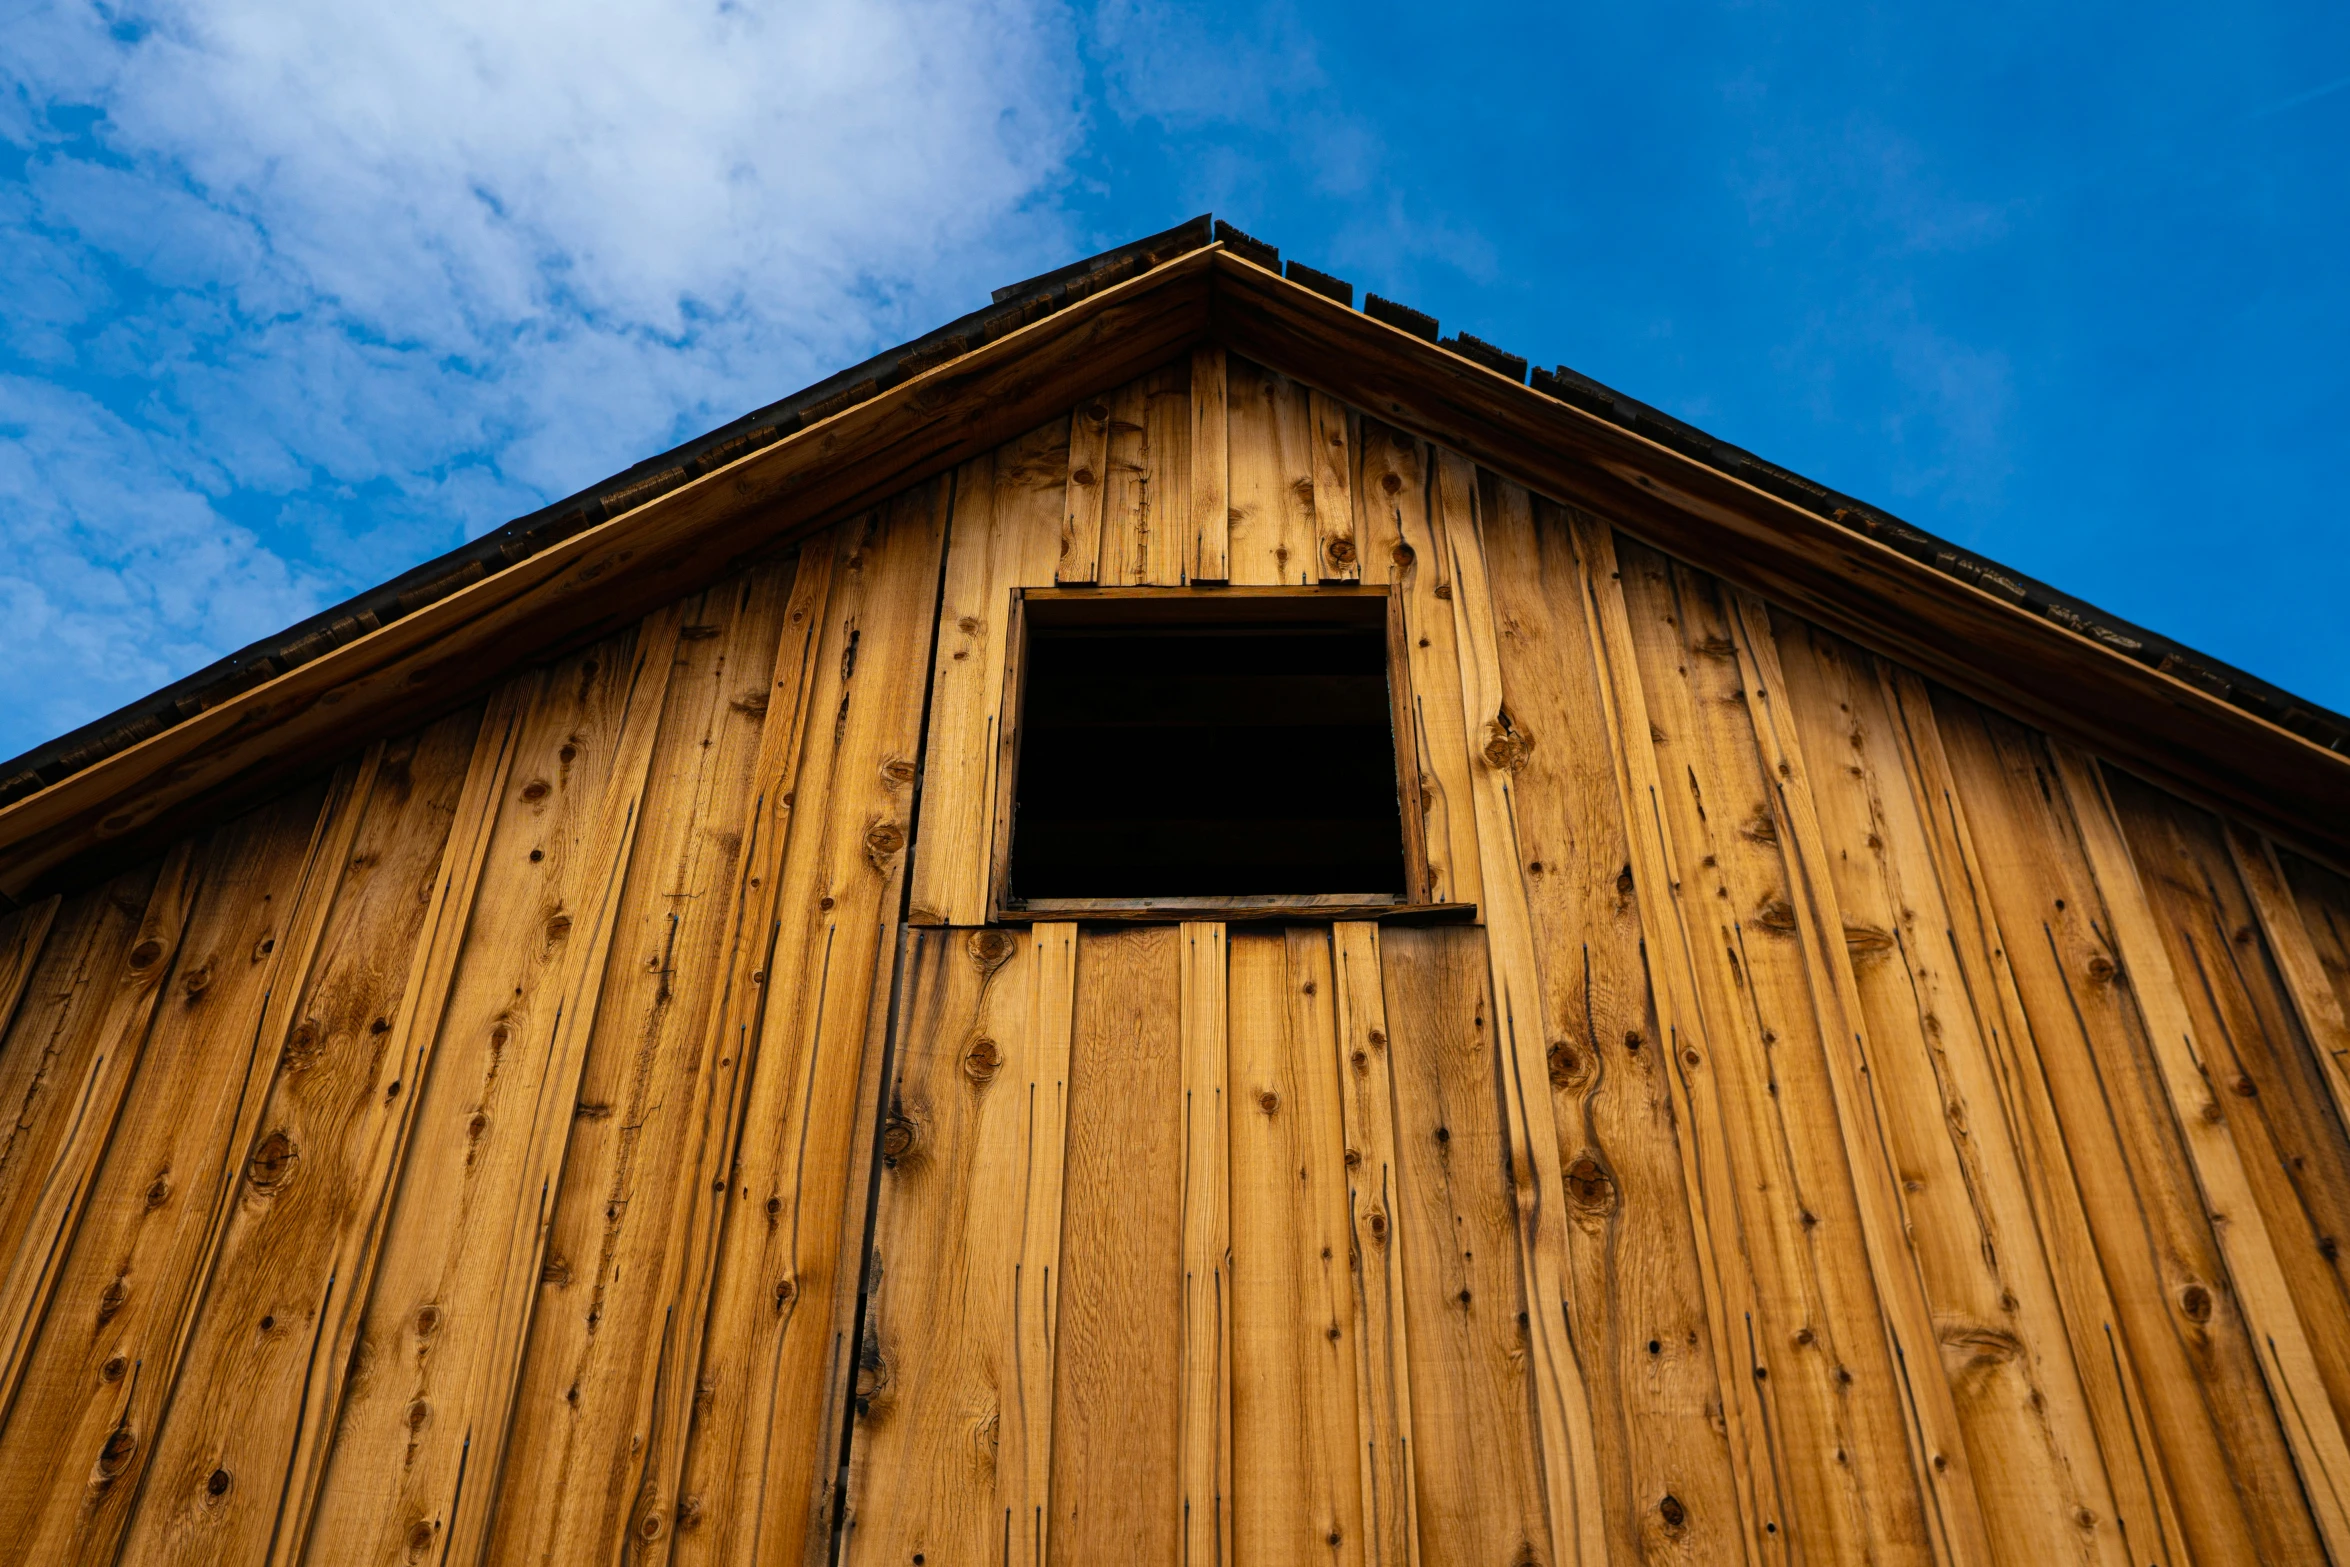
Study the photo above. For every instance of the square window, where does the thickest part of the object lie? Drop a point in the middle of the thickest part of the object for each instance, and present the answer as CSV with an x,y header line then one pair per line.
x,y
1189,746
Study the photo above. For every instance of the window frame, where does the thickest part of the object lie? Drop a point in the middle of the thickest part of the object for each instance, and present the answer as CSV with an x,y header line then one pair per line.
x,y
1192,605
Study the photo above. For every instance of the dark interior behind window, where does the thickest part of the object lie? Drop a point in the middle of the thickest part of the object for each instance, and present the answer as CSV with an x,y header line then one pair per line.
x,y
1244,758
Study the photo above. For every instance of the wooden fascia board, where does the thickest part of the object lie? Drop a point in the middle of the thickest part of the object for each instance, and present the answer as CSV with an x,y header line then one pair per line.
x,y
606,576
1953,632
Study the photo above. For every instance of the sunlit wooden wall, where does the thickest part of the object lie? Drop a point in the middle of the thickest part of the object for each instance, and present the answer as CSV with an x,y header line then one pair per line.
x,y
1855,1126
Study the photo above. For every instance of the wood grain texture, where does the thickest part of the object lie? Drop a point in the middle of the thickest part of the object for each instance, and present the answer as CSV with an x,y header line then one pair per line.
x,y
2253,1056
929,1455
2215,1148
1383,1362
1211,469
102,1360
999,539
1334,474
1118,1435
1643,1333
1295,1439
2207,1420
1830,1378
1936,1092
1561,1400
2293,944
1273,534
1024,1484
1204,1519
763,1453
276,1279
22,934
67,1083
1085,494
417,1407
1477,1466
1393,525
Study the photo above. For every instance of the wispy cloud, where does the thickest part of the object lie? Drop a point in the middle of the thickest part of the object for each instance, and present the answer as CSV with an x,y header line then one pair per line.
x,y
294,296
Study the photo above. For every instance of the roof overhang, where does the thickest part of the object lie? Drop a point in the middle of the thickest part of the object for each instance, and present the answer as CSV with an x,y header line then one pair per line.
x,y
1097,326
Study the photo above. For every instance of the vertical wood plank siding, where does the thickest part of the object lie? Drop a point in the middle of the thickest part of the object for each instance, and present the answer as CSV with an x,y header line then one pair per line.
x,y
602,1124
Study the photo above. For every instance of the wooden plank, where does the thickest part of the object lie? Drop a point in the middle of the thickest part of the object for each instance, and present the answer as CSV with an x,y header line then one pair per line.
x,y
1965,1204
1086,495
2255,1053
2293,945
1636,1255
67,1080
271,1300
416,1426
1146,506
1000,539
1944,1458
1334,509
2203,1414
1025,1480
1211,469
601,578
590,1424
2146,1515
1205,1521
22,934
99,1365
408,1052
762,1459
1562,1402
2320,1453
1831,1378
930,1449
1271,464
1477,1472
1395,526
1119,1434
1383,1380
1861,586
2323,898
1295,1440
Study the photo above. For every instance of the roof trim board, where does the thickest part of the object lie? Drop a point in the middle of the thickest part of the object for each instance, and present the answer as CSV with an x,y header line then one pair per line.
x,y
764,480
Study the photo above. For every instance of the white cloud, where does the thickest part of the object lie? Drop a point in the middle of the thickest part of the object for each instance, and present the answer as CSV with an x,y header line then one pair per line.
x,y
454,259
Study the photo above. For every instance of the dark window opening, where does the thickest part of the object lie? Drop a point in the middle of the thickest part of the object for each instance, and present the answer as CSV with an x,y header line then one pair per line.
x,y
1250,755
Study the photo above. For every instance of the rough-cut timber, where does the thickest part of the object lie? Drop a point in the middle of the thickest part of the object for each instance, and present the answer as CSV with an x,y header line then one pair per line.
x,y
535,1069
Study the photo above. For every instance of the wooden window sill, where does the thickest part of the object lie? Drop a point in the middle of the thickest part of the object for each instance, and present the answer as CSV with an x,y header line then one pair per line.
x,y
1235,910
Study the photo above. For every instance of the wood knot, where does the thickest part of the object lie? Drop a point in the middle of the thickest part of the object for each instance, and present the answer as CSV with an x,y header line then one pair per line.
x,y
111,1299
1672,1512
302,1045
1377,1038
217,1483
1376,1223
114,1369
159,1191
885,839
145,953
982,1061
418,1413
1402,554
1361,1061
1354,1159
272,1161
197,980
689,1512
1081,476
991,949
1392,483
897,1141
1341,551
114,1455
2195,1303
1866,941
419,1539
648,1528
1589,1186
2100,968
898,771
1565,1064
1442,590
1506,746
1777,916
535,791
786,1291
1268,1101
428,1321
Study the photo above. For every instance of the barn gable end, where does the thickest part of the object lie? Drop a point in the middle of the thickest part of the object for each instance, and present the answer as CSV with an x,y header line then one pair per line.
x,y
1857,1064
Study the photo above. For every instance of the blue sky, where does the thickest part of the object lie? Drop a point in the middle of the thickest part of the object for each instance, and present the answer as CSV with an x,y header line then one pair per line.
x,y
294,297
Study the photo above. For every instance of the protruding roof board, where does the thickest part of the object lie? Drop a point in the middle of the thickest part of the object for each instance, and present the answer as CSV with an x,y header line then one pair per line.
x,y
423,641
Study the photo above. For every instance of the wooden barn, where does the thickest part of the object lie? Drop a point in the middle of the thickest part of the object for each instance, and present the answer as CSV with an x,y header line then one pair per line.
x,y
1184,923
